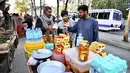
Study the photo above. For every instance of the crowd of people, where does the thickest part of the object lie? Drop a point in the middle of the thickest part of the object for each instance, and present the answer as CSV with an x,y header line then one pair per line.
x,y
86,25
19,20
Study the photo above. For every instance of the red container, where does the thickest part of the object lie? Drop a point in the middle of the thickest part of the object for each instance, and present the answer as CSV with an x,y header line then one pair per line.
x,y
20,30
58,56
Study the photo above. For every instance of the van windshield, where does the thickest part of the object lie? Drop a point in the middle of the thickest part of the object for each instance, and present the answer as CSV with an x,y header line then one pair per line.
x,y
117,16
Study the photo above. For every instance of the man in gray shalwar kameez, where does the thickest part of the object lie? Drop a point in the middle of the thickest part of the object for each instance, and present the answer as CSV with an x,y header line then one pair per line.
x,y
45,22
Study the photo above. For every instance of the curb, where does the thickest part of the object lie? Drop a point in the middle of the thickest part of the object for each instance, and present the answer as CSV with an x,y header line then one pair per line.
x,y
115,44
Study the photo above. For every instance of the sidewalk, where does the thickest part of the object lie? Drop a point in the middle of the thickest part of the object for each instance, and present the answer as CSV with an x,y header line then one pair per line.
x,y
114,40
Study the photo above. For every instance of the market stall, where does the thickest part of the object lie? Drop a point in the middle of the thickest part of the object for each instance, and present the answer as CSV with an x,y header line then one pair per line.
x,y
54,55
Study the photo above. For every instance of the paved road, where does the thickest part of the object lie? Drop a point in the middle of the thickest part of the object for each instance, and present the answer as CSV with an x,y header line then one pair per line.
x,y
19,64
121,33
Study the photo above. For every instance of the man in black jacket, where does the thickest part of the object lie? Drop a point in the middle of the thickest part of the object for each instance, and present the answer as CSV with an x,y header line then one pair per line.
x,y
28,20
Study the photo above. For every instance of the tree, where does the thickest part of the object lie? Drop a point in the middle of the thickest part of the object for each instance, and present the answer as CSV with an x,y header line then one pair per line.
x,y
111,4
57,10
35,7
32,6
127,28
22,5
66,4
40,7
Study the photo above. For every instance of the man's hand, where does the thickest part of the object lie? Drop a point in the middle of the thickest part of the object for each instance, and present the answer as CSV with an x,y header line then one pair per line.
x,y
51,28
65,32
66,25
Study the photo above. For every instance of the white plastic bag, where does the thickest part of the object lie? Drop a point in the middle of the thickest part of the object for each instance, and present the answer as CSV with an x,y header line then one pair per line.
x,y
32,61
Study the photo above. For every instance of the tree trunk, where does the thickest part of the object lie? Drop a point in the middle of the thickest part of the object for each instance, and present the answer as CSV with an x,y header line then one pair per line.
x,y
57,10
44,4
78,3
63,3
127,28
40,7
66,4
84,2
35,8
32,7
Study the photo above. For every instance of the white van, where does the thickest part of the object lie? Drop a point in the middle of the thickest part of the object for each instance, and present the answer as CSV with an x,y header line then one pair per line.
x,y
108,19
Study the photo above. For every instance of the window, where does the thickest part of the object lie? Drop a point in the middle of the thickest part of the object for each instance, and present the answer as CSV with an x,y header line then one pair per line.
x,y
104,15
117,16
101,16
94,15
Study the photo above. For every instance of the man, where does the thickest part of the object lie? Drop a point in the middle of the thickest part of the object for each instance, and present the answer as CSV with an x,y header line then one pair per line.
x,y
16,21
66,20
74,17
28,20
86,25
45,22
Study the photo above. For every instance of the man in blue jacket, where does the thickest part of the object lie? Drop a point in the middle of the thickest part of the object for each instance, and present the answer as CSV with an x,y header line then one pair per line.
x,y
86,25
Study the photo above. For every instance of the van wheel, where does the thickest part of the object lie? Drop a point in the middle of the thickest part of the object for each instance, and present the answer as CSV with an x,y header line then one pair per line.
x,y
122,27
